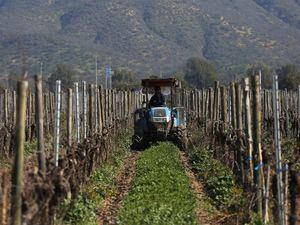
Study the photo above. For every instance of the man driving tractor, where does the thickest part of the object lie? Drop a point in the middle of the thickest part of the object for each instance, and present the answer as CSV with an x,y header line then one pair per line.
x,y
157,100
159,121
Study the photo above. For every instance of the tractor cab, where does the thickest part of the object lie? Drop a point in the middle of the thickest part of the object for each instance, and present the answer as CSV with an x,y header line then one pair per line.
x,y
161,117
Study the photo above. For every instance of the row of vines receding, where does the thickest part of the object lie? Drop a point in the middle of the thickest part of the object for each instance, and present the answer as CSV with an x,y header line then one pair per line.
x,y
256,134
52,142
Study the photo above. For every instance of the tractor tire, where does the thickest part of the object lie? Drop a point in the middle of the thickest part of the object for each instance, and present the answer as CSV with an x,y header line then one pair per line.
x,y
138,143
182,139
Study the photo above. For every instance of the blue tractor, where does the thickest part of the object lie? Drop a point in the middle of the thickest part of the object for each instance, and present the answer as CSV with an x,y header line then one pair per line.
x,y
160,120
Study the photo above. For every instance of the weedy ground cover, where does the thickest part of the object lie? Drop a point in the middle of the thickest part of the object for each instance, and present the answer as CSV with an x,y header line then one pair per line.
x,y
161,193
84,209
218,179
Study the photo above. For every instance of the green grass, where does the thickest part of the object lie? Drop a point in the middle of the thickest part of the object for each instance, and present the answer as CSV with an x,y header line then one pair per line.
x,y
161,192
83,210
4,163
80,211
219,180
30,147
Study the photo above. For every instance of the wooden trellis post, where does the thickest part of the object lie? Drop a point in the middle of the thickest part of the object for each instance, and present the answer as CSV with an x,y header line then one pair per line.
x,y
239,126
298,112
216,102
277,141
29,122
5,107
229,102
40,123
223,105
110,106
264,107
51,110
210,104
267,195
17,170
203,97
4,197
14,107
233,103
206,114
70,117
286,194
96,108
57,120
77,113
106,107
248,127
122,105
126,104
257,151
182,98
113,106
198,103
46,113
84,101
286,98
129,104
100,108
91,108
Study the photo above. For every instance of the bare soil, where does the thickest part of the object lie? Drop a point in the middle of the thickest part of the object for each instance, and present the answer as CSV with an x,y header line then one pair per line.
x,y
123,182
204,218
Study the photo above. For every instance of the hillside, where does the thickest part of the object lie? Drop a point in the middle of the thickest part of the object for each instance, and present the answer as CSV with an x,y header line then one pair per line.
x,y
148,36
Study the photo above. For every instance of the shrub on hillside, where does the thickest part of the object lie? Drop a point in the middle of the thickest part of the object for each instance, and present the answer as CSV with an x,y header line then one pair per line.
x,y
200,73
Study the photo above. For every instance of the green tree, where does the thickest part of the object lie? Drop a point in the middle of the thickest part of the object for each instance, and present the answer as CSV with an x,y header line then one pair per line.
x,y
9,81
266,74
200,73
288,77
181,77
125,79
64,73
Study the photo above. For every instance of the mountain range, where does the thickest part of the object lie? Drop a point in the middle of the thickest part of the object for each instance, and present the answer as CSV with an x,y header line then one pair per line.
x,y
148,36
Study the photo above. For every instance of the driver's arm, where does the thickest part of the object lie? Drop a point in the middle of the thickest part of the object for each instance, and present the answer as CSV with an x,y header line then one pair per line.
x,y
162,98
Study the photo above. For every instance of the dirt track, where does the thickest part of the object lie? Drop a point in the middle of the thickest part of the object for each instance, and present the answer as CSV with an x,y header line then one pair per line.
x,y
198,190
123,182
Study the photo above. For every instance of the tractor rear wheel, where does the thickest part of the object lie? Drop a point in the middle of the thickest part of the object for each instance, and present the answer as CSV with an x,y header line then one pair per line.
x,y
138,143
182,138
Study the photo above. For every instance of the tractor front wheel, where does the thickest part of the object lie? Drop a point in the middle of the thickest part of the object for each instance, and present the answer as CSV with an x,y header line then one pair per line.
x,y
138,143
182,139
